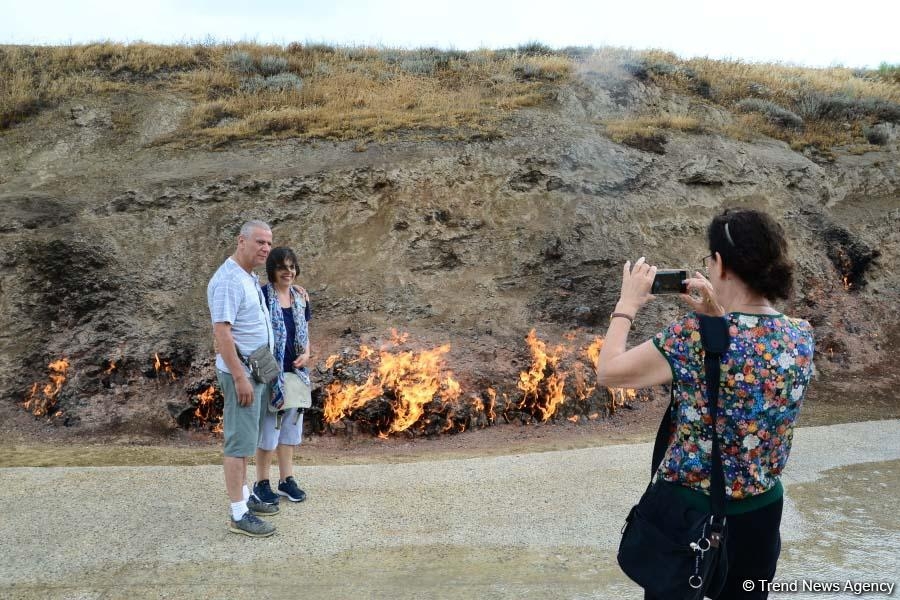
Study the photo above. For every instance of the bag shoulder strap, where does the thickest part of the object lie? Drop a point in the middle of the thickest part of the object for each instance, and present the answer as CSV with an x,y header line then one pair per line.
x,y
241,357
716,339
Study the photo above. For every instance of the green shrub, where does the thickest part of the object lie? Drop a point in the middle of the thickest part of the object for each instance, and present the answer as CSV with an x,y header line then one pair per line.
x,y
424,61
281,82
578,52
642,69
321,48
535,49
759,89
774,113
418,65
841,107
889,72
239,61
878,135
272,65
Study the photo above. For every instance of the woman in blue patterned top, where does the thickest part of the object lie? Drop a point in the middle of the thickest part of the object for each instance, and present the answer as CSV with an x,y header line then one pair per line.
x,y
765,375
290,314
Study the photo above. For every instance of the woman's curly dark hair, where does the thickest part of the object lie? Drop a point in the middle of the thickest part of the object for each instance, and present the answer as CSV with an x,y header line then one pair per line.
x,y
753,247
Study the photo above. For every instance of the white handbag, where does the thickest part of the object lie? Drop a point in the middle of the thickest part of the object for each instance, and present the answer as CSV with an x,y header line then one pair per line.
x,y
296,392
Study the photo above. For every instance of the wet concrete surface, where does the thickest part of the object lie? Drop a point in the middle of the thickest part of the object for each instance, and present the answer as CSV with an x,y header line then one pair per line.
x,y
543,525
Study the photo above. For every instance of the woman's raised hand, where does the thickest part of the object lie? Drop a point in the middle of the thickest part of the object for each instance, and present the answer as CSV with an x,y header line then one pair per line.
x,y
701,296
636,284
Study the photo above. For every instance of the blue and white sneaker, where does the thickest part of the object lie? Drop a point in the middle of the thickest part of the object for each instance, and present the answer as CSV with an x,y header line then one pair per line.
x,y
290,490
263,491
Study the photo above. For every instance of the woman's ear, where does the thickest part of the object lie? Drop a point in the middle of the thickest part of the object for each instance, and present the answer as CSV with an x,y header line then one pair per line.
x,y
719,266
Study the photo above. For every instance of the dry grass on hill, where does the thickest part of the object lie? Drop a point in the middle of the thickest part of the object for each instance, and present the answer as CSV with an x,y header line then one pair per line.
x,y
802,106
245,91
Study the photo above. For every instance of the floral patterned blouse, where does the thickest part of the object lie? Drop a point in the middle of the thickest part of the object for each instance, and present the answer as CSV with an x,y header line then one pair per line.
x,y
769,364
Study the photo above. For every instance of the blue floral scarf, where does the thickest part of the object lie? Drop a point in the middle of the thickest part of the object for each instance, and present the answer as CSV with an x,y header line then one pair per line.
x,y
300,341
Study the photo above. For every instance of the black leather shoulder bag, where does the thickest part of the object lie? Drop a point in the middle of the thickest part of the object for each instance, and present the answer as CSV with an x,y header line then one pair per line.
x,y
668,547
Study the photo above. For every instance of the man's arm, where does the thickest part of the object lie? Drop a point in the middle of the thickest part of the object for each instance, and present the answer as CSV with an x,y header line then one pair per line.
x,y
226,347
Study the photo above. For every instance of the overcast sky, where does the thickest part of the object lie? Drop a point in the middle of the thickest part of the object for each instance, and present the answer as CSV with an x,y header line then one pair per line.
x,y
813,33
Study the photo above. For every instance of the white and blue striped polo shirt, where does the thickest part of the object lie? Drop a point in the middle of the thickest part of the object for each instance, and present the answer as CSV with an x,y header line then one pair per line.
x,y
233,296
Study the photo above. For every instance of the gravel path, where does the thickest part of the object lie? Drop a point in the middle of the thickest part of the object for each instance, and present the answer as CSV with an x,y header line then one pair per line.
x,y
525,526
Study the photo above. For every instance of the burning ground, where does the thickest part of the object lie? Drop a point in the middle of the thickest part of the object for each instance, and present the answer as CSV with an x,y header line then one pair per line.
x,y
394,389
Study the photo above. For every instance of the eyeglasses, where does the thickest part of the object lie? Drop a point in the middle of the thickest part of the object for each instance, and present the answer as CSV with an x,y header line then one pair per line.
x,y
704,260
292,268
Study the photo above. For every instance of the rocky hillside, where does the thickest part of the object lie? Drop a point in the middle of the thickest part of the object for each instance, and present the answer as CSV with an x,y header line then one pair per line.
x,y
111,230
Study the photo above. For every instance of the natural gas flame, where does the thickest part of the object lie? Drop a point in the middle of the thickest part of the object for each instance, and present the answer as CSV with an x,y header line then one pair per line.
x,y
593,351
583,387
492,404
415,379
110,368
847,283
41,401
620,397
163,366
543,390
342,399
393,389
398,339
206,411
408,380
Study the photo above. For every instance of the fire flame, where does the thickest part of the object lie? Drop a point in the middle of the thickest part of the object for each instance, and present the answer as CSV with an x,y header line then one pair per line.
x,y
163,365
409,379
207,412
543,385
531,382
44,403
111,368
492,404
617,396
392,390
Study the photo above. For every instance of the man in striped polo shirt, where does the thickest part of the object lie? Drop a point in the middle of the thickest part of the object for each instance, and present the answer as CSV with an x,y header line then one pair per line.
x,y
241,324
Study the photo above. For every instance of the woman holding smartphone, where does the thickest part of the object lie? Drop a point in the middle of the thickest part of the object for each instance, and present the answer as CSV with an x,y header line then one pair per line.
x,y
765,375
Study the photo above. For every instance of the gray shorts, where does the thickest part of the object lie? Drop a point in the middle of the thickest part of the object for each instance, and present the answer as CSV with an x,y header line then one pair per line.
x,y
241,423
290,434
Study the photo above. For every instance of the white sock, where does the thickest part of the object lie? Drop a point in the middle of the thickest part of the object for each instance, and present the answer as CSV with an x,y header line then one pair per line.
x,y
246,493
239,509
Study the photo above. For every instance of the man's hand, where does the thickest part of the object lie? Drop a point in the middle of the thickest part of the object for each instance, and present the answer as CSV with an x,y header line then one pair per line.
x,y
244,390
301,291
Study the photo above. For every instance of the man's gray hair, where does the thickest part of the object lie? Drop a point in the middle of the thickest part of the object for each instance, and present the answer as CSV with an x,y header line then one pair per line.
x,y
248,227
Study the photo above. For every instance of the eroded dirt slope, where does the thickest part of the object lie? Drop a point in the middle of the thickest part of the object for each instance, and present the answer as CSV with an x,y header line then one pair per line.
x,y
110,232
